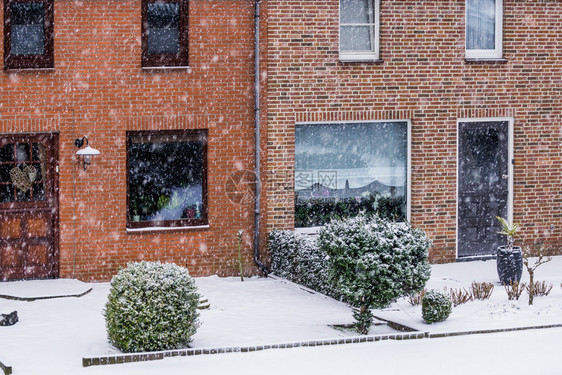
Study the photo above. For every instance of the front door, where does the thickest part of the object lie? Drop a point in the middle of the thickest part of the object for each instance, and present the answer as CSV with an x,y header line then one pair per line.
x,y
28,206
483,184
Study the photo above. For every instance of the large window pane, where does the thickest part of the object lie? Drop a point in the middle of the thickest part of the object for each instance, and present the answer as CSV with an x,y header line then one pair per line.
x,y
166,177
342,170
481,24
163,28
27,28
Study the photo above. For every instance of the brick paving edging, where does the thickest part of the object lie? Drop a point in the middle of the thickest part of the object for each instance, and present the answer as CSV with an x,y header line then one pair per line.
x,y
141,357
494,330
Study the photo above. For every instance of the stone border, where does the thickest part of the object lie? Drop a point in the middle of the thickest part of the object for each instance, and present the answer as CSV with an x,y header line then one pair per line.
x,y
494,330
7,369
31,299
141,357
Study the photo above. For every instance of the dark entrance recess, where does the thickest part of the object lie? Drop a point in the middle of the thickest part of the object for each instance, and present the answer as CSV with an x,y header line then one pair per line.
x,y
28,206
483,186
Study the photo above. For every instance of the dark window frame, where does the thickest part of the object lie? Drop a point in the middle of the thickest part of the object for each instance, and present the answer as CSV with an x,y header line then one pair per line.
x,y
181,59
44,61
192,135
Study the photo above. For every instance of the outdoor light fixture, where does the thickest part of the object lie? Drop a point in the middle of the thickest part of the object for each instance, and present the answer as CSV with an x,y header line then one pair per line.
x,y
86,152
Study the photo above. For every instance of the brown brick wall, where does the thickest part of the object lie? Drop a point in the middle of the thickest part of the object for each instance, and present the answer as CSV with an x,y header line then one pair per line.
x,y
425,78
98,89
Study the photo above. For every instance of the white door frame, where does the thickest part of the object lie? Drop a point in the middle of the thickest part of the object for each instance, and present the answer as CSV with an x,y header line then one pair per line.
x,y
510,169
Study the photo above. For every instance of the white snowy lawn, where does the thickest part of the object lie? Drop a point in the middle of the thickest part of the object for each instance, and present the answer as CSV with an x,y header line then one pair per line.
x,y
53,335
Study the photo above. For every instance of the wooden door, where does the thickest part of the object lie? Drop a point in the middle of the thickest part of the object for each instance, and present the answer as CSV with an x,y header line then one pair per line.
x,y
28,206
483,186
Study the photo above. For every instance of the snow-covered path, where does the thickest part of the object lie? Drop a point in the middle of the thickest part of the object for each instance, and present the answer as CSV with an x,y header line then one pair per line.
x,y
54,335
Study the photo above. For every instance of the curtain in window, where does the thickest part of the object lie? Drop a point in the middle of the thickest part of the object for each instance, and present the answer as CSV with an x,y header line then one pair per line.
x,y
356,25
481,24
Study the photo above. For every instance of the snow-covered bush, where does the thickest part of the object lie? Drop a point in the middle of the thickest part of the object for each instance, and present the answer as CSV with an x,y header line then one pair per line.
x,y
151,306
373,262
436,306
296,257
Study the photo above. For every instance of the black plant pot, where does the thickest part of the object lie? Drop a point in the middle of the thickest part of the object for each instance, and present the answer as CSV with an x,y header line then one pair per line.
x,y
510,264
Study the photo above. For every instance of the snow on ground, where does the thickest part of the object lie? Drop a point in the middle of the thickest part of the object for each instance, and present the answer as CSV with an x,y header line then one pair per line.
x,y
53,335
496,312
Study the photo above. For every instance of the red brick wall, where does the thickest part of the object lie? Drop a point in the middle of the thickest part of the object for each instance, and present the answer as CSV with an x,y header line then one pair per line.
x,y
98,89
425,78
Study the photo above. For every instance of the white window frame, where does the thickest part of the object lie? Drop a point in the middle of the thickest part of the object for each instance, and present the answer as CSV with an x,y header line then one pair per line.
x,y
315,230
371,55
495,53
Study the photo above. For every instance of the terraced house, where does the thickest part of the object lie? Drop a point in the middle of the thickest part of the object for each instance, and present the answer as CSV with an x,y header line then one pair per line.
x,y
168,129
441,113
162,93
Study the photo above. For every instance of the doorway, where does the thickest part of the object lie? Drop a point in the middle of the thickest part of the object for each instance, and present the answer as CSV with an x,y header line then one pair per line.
x,y
29,207
484,184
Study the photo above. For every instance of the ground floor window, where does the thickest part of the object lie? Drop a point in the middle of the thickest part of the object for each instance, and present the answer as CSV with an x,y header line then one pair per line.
x,y
166,178
344,169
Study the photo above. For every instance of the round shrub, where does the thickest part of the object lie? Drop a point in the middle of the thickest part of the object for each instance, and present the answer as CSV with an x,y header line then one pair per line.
x,y
373,262
436,306
151,306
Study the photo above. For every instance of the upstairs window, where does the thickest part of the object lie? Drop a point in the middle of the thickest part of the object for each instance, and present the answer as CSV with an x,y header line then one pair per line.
x,y
484,29
164,33
167,178
359,30
28,34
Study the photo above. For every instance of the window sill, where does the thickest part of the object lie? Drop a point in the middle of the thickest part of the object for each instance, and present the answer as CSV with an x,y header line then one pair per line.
x,y
360,59
28,70
167,229
484,60
166,67
312,231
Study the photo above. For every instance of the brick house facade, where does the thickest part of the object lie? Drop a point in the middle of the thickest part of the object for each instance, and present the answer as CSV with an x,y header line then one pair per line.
x,y
77,222
416,92
418,67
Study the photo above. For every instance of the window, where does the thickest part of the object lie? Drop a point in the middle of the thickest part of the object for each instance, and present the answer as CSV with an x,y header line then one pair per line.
x,y
28,34
164,33
359,30
344,169
167,178
484,29
22,171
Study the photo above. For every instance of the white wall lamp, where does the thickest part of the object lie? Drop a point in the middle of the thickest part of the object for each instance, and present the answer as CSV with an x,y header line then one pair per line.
x,y
87,152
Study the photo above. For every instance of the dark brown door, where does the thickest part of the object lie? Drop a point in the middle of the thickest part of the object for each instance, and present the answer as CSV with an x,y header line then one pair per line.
x,y
483,186
28,206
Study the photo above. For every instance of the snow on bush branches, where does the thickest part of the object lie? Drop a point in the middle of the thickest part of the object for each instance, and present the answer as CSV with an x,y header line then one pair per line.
x,y
151,306
436,306
373,262
296,257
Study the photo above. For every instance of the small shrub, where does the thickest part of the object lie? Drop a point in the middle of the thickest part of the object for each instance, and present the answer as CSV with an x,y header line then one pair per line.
x,y
151,306
436,306
542,288
514,290
460,296
373,262
481,290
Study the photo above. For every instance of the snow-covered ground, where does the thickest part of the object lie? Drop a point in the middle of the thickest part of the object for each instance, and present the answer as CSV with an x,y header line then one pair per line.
x,y
54,334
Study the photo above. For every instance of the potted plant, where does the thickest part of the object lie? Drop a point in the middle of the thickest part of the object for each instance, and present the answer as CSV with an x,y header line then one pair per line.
x,y
509,258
